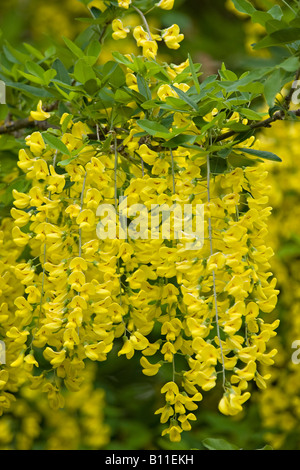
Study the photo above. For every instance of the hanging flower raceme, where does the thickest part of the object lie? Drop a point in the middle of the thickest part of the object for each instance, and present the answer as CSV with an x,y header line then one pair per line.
x,y
85,291
105,253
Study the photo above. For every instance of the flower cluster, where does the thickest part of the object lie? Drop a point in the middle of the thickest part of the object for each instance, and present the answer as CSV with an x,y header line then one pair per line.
x,y
77,294
31,424
193,304
279,403
142,34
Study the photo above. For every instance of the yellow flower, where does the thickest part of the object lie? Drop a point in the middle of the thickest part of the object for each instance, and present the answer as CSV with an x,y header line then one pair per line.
x,y
131,82
171,390
231,403
78,264
127,349
124,3
100,4
76,280
30,361
168,350
119,31
25,161
19,337
150,49
40,114
172,37
165,4
36,143
73,210
56,182
86,219
140,35
21,200
20,238
149,156
21,217
174,432
62,119
148,368
55,357
166,91
166,412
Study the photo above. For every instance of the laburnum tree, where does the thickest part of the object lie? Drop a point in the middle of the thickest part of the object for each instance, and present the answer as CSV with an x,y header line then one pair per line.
x,y
139,130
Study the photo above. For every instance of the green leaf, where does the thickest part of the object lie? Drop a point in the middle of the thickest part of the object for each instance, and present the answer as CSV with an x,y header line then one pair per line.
x,y
276,12
32,78
66,122
107,143
279,38
113,74
61,72
261,154
244,7
290,65
15,55
3,111
83,72
218,165
224,153
182,141
48,76
61,92
154,128
121,59
194,74
261,17
237,160
30,90
272,86
93,49
250,114
143,87
218,444
91,86
185,98
286,35
227,74
66,162
35,52
74,48
55,143
35,69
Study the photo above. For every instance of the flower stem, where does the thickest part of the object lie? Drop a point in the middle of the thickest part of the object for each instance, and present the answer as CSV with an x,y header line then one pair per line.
x,y
144,20
214,276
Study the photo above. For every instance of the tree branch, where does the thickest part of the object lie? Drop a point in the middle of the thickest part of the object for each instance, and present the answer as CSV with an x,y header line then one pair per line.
x,y
278,116
14,126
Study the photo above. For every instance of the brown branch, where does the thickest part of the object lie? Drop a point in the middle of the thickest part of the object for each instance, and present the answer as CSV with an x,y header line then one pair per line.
x,y
26,123
13,126
278,116
51,107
